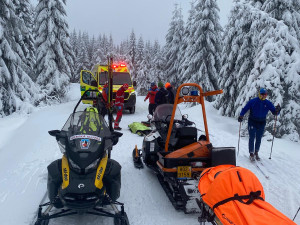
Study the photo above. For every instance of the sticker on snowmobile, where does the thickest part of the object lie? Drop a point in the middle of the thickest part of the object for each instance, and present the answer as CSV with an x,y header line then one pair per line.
x,y
85,136
85,143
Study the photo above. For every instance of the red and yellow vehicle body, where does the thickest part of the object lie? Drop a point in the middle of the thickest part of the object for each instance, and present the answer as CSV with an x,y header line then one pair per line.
x,y
99,76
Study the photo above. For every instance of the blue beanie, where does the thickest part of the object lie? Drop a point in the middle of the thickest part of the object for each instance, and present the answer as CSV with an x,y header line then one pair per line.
x,y
263,91
152,84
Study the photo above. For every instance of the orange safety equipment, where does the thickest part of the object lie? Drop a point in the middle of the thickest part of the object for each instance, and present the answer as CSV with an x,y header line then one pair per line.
x,y
167,85
237,197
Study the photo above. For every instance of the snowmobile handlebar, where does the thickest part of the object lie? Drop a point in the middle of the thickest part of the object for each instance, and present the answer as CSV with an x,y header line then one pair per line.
x,y
194,98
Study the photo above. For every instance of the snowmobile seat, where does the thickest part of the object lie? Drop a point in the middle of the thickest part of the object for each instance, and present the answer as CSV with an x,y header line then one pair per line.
x,y
185,136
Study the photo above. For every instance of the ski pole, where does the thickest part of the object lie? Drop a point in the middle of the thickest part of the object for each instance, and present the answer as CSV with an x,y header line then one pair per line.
x,y
273,136
239,138
296,214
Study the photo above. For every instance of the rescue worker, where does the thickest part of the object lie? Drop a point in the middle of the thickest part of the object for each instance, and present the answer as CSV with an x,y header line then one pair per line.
x,y
259,108
151,95
161,95
119,103
171,93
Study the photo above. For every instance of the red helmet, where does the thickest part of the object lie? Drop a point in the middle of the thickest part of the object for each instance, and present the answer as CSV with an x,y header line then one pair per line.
x,y
125,86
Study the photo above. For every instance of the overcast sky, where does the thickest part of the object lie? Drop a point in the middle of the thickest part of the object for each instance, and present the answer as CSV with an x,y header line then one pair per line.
x,y
149,18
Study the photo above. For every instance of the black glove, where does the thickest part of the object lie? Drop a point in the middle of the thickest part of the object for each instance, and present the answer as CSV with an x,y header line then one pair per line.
x,y
277,109
240,119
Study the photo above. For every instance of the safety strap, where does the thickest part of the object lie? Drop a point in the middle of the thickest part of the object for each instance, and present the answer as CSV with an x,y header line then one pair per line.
x,y
251,197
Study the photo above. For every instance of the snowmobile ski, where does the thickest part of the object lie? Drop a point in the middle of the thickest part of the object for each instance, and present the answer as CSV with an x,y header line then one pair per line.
x,y
137,160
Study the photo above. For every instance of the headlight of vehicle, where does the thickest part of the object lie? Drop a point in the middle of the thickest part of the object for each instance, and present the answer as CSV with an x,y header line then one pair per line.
x,y
93,165
74,165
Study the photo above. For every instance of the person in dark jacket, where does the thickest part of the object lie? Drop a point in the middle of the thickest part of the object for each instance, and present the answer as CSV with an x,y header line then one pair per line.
x,y
259,108
161,95
151,95
171,93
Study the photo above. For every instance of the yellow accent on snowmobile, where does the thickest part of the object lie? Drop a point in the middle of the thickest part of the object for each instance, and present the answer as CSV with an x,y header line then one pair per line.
x,y
65,169
100,172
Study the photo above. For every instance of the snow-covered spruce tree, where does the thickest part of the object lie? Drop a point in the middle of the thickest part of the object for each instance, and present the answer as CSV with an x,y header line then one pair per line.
x,y
139,55
158,63
132,53
205,59
144,75
54,54
25,14
187,47
74,42
286,10
237,57
17,90
172,47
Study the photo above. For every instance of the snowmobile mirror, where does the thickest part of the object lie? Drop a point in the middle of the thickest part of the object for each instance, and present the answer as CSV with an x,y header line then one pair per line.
x,y
115,137
150,117
54,133
185,116
185,91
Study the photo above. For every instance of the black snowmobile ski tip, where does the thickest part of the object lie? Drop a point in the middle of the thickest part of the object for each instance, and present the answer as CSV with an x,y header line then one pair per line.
x,y
137,160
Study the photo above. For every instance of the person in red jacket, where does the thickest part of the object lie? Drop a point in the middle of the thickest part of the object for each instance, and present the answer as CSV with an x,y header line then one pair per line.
x,y
151,95
119,103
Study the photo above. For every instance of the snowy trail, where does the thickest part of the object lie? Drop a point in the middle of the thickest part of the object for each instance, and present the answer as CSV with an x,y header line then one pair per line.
x,y
27,152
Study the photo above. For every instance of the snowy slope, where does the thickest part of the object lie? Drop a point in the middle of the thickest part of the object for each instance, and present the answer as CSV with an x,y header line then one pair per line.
x,y
26,149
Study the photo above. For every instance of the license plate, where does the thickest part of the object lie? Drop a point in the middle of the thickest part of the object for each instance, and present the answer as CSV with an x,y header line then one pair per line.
x,y
184,172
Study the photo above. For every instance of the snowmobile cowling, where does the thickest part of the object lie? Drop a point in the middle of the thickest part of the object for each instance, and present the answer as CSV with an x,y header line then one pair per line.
x,y
236,196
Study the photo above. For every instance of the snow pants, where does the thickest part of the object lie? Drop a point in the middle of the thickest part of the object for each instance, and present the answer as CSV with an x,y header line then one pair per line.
x,y
151,108
256,131
119,116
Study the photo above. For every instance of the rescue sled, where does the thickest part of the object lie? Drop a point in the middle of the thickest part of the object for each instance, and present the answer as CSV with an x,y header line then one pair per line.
x,y
85,180
233,195
176,153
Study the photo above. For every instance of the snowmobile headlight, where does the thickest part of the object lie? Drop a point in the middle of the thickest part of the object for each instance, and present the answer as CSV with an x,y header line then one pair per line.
x,y
93,165
74,165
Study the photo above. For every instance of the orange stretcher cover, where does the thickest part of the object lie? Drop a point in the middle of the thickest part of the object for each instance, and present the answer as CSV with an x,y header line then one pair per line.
x,y
195,150
226,189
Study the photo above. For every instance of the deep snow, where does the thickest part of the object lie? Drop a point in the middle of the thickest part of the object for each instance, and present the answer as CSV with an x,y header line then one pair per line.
x,y
26,149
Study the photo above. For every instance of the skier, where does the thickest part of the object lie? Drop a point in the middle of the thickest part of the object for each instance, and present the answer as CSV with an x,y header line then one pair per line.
x,y
151,95
259,108
161,95
119,103
171,92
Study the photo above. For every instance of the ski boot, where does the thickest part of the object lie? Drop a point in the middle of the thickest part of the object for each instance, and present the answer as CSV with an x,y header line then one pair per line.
x,y
252,159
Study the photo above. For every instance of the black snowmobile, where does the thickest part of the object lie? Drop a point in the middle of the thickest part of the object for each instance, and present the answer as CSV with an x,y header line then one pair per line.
x,y
176,154
85,180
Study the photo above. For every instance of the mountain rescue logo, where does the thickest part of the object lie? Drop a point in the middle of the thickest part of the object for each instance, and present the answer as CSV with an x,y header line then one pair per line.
x,y
85,143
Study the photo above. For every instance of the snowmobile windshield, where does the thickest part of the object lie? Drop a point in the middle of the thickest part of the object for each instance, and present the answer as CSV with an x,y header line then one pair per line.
x,y
86,132
164,112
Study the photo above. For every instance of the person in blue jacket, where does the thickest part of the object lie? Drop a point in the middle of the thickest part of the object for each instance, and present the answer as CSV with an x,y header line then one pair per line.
x,y
259,108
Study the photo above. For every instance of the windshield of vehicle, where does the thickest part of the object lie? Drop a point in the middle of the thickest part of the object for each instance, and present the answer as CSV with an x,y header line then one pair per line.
x,y
164,112
118,78
86,131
